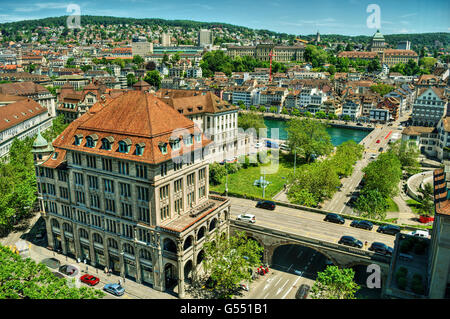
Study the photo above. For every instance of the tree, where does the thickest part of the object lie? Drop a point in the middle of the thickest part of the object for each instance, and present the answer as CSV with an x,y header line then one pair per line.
x,y
374,65
229,261
382,88
384,174
137,59
24,279
426,206
153,78
251,120
346,156
308,138
334,283
408,154
216,173
372,204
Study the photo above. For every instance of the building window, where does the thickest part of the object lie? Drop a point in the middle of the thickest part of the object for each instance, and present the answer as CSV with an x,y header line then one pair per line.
x,y
164,192
62,176
79,180
191,199
127,231
110,205
190,179
143,193
163,169
178,185
177,164
123,168
109,185
64,192
76,157
164,212
175,144
124,147
90,142
79,197
106,145
179,205
144,214
163,148
141,171
201,192
78,139
94,201
91,161
93,182
140,149
125,190
107,164
202,174
127,210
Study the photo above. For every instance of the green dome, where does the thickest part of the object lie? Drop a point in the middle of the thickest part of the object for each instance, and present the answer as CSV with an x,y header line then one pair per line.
x,y
40,141
378,35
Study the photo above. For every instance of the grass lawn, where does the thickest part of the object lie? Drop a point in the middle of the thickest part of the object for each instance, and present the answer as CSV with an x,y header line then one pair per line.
x,y
392,206
242,181
414,205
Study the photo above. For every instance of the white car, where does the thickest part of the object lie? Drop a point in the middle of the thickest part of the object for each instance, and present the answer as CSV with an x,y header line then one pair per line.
x,y
258,145
247,217
420,233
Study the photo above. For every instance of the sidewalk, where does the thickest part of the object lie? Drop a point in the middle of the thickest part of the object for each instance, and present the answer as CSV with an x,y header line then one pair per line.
x,y
133,290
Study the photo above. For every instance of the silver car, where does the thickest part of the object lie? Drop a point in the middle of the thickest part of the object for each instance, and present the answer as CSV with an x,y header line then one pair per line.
x,y
247,218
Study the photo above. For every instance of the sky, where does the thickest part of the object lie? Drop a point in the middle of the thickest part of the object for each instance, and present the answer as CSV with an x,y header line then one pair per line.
x,y
300,17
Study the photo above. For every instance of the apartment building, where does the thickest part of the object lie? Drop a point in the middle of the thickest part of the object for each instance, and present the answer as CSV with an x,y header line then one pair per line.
x,y
214,117
248,95
261,52
126,188
429,107
352,108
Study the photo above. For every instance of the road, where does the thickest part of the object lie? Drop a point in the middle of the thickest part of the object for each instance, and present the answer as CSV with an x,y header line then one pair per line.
x,y
339,202
305,223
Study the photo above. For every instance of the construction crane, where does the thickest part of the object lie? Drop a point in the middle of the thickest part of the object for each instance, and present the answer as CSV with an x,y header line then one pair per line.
x,y
270,66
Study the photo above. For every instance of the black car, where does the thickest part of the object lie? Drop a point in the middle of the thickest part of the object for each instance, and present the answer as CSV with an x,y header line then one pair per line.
x,y
381,248
334,218
389,229
350,241
266,204
352,201
364,224
302,292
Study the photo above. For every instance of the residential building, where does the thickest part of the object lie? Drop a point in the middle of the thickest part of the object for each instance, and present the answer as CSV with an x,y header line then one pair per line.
x,y
429,106
261,52
352,107
205,37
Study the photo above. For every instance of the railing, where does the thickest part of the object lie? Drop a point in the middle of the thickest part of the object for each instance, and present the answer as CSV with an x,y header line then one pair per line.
x,y
316,242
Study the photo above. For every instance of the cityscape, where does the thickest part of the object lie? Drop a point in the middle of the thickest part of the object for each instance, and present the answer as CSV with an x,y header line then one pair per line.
x,y
159,154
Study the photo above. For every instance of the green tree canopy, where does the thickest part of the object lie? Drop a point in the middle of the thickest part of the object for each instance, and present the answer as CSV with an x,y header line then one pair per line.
x,y
308,138
334,283
153,78
251,120
230,260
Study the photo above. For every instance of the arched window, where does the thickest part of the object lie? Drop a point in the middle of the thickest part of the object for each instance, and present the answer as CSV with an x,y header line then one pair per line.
x,y
187,243
169,245
201,233
91,140
67,228
97,238
78,139
55,224
127,248
212,224
107,142
84,233
112,243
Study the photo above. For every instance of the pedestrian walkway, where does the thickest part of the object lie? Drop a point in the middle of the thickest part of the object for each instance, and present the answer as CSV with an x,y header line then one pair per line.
x,y
133,290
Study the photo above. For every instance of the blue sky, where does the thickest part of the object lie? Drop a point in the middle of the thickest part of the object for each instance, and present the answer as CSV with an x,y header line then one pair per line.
x,y
291,16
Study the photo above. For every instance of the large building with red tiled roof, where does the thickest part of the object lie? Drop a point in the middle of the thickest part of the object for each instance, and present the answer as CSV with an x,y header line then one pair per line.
x,y
20,119
126,187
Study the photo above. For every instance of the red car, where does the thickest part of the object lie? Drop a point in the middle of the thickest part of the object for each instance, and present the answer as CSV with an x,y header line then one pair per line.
x,y
89,279
378,141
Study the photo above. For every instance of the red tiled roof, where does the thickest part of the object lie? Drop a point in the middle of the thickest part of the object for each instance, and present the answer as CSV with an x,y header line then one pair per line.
x,y
15,113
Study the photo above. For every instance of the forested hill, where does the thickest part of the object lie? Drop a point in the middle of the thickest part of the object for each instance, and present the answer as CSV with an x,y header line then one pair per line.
x,y
417,40
107,20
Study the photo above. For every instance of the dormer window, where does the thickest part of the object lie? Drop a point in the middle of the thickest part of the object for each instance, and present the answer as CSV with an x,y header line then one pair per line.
x,y
163,148
124,145
78,139
107,142
91,140
188,140
175,144
140,149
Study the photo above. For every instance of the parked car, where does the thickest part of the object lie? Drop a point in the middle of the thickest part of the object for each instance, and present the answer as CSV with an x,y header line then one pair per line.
x,y
285,147
114,289
364,224
373,156
378,141
68,270
258,145
271,144
381,150
89,279
247,218
381,248
352,201
266,204
334,218
302,292
359,124
350,241
420,233
389,229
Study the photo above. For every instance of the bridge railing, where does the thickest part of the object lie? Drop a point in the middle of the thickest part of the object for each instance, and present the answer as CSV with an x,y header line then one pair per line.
x,y
290,235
